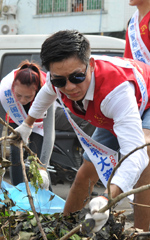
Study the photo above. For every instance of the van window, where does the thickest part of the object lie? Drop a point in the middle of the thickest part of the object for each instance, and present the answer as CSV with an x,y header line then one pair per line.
x,y
108,53
11,61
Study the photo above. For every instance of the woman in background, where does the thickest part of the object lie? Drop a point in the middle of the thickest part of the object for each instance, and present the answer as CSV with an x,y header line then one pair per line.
x,y
17,92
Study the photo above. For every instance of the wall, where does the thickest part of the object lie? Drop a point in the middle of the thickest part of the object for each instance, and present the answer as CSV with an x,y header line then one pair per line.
x,y
114,18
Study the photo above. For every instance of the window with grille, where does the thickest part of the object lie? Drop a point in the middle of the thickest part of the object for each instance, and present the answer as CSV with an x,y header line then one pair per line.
x,y
49,6
94,4
62,6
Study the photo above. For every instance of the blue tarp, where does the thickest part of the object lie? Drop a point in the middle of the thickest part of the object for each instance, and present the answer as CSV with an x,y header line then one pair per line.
x,y
42,200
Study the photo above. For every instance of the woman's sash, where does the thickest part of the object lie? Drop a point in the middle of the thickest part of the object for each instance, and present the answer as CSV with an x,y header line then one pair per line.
x,y
10,103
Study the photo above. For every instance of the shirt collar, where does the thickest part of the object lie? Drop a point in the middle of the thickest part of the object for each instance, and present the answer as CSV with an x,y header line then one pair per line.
x,y
90,92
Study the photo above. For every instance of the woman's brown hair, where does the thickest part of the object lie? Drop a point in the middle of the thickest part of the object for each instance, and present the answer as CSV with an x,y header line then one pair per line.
x,y
28,74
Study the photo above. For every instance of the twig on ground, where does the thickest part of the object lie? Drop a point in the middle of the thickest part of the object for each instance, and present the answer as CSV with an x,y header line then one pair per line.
x,y
6,130
143,234
29,193
73,231
138,204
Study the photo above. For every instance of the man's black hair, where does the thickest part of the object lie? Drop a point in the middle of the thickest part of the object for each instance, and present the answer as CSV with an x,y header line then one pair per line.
x,y
63,45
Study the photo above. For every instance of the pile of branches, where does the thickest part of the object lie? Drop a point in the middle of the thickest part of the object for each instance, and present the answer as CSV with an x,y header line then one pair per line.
x,y
32,225
23,225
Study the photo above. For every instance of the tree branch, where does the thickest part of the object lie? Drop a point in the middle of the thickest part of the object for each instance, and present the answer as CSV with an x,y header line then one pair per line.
x,y
29,193
119,163
16,135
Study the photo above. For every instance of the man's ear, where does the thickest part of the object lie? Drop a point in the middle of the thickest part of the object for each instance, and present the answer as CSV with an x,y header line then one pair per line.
x,y
92,64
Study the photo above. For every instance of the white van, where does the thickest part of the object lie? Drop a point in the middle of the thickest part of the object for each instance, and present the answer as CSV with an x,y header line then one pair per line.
x,y
16,48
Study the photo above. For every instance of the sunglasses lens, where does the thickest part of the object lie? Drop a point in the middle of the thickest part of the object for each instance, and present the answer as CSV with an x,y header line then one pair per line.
x,y
61,82
78,78
58,82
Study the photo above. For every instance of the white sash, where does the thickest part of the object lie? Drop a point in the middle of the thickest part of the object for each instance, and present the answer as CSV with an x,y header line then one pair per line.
x,y
138,48
10,103
104,158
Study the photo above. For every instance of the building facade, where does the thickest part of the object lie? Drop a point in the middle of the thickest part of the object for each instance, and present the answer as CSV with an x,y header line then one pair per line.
x,y
103,17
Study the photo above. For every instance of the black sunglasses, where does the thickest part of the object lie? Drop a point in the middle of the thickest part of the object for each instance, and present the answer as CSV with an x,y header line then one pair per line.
x,y
73,78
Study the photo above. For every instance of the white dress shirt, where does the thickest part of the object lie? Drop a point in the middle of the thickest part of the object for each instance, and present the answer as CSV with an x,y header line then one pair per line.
x,y
121,106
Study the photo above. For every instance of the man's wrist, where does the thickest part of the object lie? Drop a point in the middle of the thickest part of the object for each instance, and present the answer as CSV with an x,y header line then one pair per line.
x,y
26,124
104,195
42,168
30,121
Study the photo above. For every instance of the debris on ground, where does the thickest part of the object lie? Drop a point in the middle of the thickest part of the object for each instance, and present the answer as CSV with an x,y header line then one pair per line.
x,y
22,225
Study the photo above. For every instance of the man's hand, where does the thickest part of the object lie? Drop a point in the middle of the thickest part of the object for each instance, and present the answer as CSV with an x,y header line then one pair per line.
x,y
25,130
45,178
100,218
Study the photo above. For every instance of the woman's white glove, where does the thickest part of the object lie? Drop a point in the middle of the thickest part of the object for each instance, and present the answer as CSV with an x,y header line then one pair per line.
x,y
45,178
100,218
25,130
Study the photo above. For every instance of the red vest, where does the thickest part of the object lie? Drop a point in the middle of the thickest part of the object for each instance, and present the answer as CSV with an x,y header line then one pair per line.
x,y
145,35
107,78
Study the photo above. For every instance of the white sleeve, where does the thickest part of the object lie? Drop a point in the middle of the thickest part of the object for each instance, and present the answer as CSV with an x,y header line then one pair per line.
x,y
43,100
121,106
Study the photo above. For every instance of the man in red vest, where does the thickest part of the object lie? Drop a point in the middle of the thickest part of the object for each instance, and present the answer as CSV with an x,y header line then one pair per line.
x,y
113,94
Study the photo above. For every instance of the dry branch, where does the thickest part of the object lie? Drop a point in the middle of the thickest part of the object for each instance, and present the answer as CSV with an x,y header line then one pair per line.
x,y
16,135
29,193
21,145
73,231
118,165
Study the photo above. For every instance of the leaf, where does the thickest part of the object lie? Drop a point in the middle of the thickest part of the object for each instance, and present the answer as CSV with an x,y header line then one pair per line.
x,y
33,222
15,237
30,214
63,232
27,225
5,163
47,230
25,235
8,201
35,176
75,237
88,225
51,198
